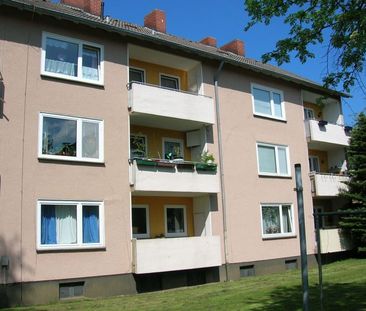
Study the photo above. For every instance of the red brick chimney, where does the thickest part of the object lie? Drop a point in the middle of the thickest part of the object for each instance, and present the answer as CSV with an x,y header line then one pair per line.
x,y
91,6
236,46
211,41
156,20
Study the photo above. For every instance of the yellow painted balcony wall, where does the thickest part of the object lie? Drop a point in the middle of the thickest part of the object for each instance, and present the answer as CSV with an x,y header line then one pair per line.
x,y
323,159
318,114
157,214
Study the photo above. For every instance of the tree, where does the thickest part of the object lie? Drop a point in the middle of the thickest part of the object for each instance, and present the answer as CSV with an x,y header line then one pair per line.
x,y
340,23
356,193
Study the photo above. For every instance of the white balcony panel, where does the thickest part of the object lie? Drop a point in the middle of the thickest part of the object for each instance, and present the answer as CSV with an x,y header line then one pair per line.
x,y
173,180
334,240
327,185
153,100
329,134
157,255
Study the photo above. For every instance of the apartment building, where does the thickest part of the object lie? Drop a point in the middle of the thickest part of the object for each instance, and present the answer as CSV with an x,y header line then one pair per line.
x,y
133,160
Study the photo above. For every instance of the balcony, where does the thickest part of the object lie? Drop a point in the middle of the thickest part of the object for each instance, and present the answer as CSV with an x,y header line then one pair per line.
x,y
334,240
327,185
173,177
323,135
158,255
151,106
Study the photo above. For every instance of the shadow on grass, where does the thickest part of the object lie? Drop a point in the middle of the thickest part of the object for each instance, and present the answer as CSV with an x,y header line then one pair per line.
x,y
338,296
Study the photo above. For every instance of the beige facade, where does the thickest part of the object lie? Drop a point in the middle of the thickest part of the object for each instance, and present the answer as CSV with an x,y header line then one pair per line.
x,y
119,184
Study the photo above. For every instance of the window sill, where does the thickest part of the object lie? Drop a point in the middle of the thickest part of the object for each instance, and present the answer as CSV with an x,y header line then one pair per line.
x,y
274,175
45,249
70,78
69,159
278,236
265,116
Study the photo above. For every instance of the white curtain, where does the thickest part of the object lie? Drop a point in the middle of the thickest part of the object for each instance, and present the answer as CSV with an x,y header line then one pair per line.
x,y
61,67
66,224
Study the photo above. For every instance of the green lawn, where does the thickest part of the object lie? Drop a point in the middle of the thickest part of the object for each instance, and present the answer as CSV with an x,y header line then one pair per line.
x,y
344,289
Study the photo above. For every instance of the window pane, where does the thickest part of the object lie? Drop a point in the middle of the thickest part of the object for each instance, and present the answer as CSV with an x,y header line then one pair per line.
x,y
175,220
91,62
61,57
286,219
271,220
314,164
282,160
277,105
267,159
309,114
262,101
65,224
91,224
136,75
90,145
59,137
169,82
139,225
173,150
138,146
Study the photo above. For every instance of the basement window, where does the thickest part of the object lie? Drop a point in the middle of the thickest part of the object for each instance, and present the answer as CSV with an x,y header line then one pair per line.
x,y
71,290
246,271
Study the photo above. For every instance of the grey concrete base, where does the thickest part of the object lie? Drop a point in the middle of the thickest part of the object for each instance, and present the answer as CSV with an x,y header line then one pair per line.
x,y
48,291
264,266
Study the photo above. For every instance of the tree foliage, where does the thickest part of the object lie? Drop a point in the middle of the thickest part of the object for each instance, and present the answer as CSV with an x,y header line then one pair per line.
x,y
339,23
356,193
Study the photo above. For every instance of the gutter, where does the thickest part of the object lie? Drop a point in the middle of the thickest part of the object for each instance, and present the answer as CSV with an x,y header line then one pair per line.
x,y
221,166
100,24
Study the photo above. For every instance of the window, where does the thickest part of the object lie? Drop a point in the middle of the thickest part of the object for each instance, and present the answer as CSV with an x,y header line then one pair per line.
x,y
70,138
72,59
175,221
67,225
138,146
170,82
268,102
308,114
140,221
314,164
273,160
173,148
137,75
277,220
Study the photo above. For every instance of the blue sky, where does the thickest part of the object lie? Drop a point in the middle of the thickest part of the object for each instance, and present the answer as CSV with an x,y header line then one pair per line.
x,y
225,20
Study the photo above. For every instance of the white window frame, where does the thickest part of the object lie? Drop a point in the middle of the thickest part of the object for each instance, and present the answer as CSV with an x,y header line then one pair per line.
x,y
80,44
146,144
78,157
271,91
174,140
142,235
311,159
176,234
277,174
79,224
137,69
170,76
282,234
306,109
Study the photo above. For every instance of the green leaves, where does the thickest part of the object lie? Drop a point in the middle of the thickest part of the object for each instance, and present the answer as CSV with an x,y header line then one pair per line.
x,y
341,23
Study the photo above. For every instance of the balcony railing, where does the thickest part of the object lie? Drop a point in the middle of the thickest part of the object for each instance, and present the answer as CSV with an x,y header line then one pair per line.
x,y
159,101
334,240
169,254
169,176
327,185
324,132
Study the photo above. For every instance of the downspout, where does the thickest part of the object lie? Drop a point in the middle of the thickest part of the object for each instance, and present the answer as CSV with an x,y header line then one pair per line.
x,y
221,165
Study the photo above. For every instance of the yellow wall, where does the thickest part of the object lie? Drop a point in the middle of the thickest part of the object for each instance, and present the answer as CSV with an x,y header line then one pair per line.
x,y
155,140
323,159
157,214
317,110
152,73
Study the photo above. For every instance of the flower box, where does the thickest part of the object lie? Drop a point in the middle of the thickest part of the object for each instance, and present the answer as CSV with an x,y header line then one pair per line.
x,y
208,167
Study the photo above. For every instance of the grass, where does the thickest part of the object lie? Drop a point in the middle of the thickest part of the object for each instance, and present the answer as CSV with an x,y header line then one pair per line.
x,y
344,289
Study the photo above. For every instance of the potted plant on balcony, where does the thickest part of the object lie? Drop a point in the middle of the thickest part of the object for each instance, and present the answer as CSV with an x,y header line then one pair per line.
x,y
207,162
